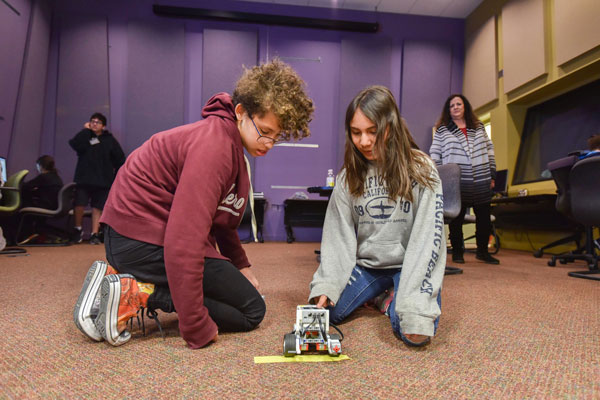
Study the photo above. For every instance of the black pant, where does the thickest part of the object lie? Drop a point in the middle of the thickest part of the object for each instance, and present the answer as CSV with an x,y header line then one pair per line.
x,y
232,301
483,229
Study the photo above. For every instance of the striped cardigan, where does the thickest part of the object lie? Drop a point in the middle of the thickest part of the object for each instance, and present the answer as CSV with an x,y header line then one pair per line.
x,y
475,158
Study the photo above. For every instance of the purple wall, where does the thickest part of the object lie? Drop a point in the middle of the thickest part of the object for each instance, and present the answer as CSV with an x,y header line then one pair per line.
x,y
221,69
154,80
315,55
150,73
82,83
426,77
28,117
14,28
366,61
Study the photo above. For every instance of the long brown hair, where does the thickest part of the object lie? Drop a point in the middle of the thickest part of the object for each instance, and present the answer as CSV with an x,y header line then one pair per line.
x,y
471,119
398,157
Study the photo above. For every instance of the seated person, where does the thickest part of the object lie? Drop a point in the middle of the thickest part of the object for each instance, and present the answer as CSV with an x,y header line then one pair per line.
x,y
41,192
593,146
173,211
383,237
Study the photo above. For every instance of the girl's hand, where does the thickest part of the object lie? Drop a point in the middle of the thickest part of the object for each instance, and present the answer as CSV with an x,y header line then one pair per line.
x,y
86,125
324,301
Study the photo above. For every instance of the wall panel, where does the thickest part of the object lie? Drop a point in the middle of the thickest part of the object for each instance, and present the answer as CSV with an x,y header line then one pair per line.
x,y
25,145
13,37
576,28
522,42
193,71
82,87
315,56
155,78
480,80
426,73
364,62
221,69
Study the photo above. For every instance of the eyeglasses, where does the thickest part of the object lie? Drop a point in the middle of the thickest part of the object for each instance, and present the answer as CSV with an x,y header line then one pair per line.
x,y
265,138
96,121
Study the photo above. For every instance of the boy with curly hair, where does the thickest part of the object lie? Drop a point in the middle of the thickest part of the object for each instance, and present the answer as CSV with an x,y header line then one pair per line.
x,y
173,211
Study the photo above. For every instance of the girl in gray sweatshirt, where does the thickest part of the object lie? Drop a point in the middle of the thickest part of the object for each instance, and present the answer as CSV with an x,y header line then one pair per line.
x,y
384,227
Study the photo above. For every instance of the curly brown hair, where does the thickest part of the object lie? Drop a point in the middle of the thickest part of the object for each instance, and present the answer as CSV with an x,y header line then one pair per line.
x,y
276,87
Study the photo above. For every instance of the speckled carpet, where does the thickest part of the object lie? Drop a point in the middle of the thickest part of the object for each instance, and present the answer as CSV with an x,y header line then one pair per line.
x,y
521,330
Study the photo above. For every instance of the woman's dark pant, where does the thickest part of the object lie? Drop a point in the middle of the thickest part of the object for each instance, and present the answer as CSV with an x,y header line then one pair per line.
x,y
483,228
232,301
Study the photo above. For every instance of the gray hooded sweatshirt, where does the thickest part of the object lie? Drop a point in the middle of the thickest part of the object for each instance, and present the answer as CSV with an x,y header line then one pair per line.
x,y
373,231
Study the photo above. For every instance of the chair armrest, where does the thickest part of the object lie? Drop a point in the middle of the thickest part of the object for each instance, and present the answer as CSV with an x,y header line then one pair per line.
x,y
9,188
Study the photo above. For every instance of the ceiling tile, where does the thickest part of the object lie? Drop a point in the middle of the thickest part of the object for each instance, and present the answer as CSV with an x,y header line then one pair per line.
x,y
326,3
429,7
292,2
365,5
395,6
460,8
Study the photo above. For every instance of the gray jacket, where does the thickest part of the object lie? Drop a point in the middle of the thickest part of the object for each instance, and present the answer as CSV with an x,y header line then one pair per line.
x,y
474,156
373,231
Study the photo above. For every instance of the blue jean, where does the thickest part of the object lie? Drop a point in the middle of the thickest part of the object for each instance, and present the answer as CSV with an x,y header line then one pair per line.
x,y
366,284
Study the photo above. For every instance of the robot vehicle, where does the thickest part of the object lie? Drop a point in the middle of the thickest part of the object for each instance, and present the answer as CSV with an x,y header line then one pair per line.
x,y
311,333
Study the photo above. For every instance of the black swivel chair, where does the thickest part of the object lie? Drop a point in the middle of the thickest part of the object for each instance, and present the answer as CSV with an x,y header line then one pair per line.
x,y
560,170
499,189
450,176
66,196
584,179
494,246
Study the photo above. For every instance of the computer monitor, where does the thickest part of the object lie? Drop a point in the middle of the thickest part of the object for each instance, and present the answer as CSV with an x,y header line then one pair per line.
x,y
3,168
501,183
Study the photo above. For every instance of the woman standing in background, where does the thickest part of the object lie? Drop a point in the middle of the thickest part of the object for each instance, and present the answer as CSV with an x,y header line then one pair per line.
x,y
460,138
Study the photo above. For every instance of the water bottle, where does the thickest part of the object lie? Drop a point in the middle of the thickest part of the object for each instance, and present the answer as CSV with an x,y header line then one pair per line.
x,y
330,178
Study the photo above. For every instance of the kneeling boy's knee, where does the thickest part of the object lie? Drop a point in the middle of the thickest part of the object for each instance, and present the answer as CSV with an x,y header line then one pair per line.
x,y
255,313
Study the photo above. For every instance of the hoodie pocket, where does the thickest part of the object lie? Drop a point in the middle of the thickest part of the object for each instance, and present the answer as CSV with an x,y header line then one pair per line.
x,y
381,253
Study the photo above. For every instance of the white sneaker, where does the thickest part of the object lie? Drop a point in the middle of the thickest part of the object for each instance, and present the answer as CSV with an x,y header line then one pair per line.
x,y
88,303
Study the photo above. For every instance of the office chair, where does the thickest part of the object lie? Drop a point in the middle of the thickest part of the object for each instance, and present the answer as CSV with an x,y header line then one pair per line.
x,y
10,203
494,246
584,179
500,189
450,176
66,196
560,170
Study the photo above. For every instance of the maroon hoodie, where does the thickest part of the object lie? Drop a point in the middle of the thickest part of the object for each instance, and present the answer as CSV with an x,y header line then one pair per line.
x,y
186,189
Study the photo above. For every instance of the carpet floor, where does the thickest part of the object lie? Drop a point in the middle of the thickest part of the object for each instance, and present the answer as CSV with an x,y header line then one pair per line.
x,y
520,330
